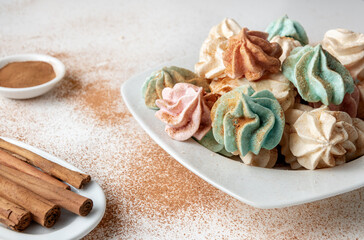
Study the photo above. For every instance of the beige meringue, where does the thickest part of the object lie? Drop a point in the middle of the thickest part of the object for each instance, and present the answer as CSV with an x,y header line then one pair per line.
x,y
211,64
277,83
291,116
348,48
321,138
359,143
287,44
265,158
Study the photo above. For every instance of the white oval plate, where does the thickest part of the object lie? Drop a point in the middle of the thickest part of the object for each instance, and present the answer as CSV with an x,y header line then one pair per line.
x,y
258,187
69,225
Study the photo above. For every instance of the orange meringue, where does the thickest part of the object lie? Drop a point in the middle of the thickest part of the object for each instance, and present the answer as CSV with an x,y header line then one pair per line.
x,y
250,54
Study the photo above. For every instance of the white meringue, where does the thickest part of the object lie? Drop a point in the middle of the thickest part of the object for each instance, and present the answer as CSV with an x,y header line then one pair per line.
x,y
211,63
287,44
321,138
348,48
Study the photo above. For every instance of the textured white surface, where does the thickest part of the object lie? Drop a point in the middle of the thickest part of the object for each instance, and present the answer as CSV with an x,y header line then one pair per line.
x,y
149,194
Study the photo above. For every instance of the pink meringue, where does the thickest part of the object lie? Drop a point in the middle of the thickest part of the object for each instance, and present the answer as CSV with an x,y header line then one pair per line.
x,y
349,105
184,110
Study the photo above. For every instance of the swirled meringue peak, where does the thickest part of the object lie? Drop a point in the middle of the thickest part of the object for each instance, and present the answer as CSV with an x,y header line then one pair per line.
x,y
210,64
246,121
185,112
287,44
168,77
286,27
317,75
250,54
348,48
322,138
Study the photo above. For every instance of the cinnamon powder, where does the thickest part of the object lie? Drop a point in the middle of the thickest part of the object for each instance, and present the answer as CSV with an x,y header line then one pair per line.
x,y
26,74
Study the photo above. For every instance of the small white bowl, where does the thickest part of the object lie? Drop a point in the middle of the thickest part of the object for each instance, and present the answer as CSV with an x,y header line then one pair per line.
x,y
31,92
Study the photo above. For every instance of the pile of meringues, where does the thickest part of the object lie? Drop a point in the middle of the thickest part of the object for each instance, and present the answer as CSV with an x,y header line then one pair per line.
x,y
260,94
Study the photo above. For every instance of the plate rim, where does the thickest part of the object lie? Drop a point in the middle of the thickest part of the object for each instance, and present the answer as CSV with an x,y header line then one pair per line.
x,y
66,232
129,86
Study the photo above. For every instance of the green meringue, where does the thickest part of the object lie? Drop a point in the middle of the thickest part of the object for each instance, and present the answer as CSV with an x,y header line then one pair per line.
x,y
317,75
209,142
286,27
168,77
245,121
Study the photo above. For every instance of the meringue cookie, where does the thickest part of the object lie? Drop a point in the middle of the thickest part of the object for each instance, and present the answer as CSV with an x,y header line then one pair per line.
x,y
348,48
286,27
209,142
359,143
168,77
349,105
291,116
318,139
317,75
185,112
282,89
360,113
246,121
249,54
210,64
287,44
265,158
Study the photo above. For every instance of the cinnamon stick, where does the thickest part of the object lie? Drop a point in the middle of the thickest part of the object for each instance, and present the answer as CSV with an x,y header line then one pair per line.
x,y
43,211
14,216
66,199
76,179
13,162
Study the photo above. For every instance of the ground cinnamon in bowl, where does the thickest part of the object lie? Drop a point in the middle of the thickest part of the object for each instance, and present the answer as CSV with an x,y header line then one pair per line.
x,y
26,74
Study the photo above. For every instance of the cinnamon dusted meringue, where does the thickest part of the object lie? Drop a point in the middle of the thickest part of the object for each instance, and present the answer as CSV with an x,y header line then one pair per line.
x,y
286,27
168,77
349,105
317,75
348,48
282,89
250,54
210,64
185,112
321,138
246,121
287,44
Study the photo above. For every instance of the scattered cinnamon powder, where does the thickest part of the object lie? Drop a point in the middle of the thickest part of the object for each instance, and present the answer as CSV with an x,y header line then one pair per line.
x,y
26,74
149,194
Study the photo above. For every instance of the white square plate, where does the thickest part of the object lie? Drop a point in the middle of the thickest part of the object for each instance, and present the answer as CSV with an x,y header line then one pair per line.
x,y
69,225
259,187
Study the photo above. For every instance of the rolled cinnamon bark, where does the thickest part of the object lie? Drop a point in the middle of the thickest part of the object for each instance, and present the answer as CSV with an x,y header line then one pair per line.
x,y
13,162
66,199
74,178
43,211
14,216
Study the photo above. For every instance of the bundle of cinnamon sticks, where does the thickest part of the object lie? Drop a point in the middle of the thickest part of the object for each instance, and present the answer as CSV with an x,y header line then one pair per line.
x,y
34,188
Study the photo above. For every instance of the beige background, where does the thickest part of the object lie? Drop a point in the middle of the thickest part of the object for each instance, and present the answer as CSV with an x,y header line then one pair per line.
x,y
85,122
